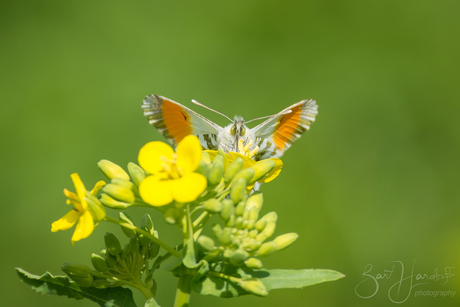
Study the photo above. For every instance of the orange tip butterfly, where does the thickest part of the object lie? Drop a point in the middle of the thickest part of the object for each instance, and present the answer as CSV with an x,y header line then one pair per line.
x,y
269,139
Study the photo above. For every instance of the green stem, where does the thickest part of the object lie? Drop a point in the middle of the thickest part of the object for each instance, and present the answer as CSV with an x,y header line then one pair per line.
x,y
168,248
184,290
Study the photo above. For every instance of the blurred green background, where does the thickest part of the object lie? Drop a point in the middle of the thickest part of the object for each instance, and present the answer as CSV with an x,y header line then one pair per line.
x,y
374,181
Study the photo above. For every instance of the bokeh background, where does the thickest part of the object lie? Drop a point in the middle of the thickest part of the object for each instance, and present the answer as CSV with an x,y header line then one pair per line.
x,y
374,181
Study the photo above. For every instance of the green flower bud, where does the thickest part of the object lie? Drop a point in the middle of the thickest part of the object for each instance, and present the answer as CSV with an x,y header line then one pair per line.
x,y
239,222
251,224
261,237
271,216
225,237
153,288
239,257
83,281
227,209
253,214
125,218
285,240
154,250
244,224
254,263
124,184
255,201
231,221
111,170
143,240
205,164
238,192
245,174
95,206
254,286
253,233
109,202
217,230
206,243
212,205
269,229
260,224
125,252
261,169
111,260
228,253
101,283
216,171
254,245
133,245
224,155
172,216
148,281
233,168
77,270
119,193
112,244
147,223
267,249
240,208
99,263
205,157
136,172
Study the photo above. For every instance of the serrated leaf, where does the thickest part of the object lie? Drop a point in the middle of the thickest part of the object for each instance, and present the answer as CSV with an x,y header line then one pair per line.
x,y
272,279
64,286
151,303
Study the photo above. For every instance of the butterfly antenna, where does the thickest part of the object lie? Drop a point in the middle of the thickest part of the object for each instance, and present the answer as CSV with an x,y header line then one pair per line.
x,y
277,114
202,105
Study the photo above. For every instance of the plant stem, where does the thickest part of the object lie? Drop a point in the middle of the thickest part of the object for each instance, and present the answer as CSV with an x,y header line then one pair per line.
x,y
168,248
183,292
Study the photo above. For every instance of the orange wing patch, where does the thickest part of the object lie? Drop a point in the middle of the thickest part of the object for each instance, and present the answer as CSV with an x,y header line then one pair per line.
x,y
286,127
176,120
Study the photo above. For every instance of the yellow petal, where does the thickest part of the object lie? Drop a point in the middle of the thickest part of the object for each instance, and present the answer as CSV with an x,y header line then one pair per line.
x,y
150,153
66,222
189,153
85,227
274,172
80,189
247,161
156,192
97,187
70,195
187,188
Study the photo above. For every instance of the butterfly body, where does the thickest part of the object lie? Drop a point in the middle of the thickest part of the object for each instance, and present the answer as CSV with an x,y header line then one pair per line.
x,y
269,139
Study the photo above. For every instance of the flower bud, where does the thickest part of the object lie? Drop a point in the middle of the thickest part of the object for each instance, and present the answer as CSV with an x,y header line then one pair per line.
x,y
77,270
133,245
111,170
172,216
119,193
254,263
239,257
285,240
217,230
144,240
136,172
95,207
112,244
238,191
110,260
245,174
225,237
154,250
212,205
260,224
206,243
261,237
240,208
99,263
227,209
253,233
254,245
255,201
261,169
109,202
82,281
101,284
254,286
267,249
124,184
231,221
147,223
125,218
271,216
205,164
233,168
216,171
239,222
269,229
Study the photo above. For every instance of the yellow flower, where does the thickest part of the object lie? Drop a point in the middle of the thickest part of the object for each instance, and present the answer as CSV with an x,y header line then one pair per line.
x,y
172,174
87,211
248,162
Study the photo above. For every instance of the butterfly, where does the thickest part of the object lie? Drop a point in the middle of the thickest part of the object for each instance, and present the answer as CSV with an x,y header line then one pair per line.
x,y
270,139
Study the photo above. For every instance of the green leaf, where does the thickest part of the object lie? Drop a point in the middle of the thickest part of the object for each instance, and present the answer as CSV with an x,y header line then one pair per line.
x,y
279,279
63,286
151,303
272,279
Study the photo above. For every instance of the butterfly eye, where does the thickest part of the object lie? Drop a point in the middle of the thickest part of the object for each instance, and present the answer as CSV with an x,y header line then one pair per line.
x,y
233,130
242,131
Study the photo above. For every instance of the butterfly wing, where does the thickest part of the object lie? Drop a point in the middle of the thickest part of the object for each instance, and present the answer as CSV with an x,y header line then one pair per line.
x,y
275,135
176,121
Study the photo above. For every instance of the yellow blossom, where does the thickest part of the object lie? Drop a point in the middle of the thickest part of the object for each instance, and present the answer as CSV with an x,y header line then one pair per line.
x,y
86,211
172,175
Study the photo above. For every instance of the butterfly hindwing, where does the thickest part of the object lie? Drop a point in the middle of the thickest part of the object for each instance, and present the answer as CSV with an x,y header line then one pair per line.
x,y
276,135
176,121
